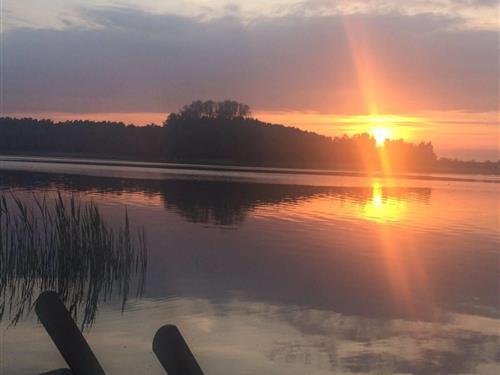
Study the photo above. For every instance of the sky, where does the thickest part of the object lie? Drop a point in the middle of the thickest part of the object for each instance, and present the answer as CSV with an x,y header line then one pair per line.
x,y
426,70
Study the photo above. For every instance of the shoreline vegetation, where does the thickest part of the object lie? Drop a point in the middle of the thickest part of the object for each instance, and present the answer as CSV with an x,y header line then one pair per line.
x,y
49,242
224,134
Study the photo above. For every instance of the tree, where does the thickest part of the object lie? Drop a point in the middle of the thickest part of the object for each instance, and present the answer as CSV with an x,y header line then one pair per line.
x,y
209,109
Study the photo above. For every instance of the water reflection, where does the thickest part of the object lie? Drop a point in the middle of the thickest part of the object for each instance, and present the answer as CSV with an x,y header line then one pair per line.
x,y
384,207
311,279
227,203
50,243
284,339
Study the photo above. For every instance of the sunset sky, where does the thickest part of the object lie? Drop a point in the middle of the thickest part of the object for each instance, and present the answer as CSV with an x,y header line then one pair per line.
x,y
422,70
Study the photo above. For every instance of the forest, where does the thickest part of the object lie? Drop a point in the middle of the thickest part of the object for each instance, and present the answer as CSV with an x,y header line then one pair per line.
x,y
223,133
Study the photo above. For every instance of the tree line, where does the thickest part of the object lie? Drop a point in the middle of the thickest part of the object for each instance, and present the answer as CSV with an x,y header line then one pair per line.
x,y
214,132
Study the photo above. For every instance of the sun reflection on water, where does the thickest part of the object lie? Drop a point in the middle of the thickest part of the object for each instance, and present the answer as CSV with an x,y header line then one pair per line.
x,y
382,208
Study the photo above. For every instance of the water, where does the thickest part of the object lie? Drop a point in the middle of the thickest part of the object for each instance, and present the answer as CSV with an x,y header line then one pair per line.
x,y
272,272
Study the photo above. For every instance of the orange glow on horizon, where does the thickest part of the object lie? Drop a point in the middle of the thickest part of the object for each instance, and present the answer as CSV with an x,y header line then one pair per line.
x,y
381,127
477,131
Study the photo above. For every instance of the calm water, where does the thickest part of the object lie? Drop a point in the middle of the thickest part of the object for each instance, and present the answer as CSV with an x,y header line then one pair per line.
x,y
278,273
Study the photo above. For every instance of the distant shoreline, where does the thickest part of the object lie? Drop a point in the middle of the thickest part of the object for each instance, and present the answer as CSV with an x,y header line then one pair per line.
x,y
234,143
96,161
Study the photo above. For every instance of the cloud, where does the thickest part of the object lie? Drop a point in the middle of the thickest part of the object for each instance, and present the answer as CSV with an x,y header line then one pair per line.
x,y
137,61
481,14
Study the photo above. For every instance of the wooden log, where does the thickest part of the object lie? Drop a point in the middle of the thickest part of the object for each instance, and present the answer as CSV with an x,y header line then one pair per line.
x,y
173,352
66,336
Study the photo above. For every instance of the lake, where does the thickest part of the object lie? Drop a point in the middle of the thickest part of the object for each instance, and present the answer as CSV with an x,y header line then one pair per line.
x,y
285,271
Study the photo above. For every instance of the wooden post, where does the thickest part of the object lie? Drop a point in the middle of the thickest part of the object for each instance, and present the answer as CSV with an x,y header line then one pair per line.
x,y
173,352
65,334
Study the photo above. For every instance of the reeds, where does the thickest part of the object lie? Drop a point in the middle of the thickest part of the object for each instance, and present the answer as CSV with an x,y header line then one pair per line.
x,y
65,245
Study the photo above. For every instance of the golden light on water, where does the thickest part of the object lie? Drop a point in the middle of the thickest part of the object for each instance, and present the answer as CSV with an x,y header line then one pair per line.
x,y
383,209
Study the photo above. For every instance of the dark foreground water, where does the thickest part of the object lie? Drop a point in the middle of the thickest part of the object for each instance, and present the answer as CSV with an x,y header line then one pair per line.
x,y
277,273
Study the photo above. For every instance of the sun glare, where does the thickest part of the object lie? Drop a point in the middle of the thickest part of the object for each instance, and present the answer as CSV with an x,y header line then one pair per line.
x,y
381,127
383,208
381,134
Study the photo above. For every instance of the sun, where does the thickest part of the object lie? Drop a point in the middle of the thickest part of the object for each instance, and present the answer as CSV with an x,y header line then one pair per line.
x,y
381,126
381,133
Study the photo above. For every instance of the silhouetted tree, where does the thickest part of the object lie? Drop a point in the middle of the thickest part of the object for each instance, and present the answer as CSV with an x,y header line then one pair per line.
x,y
223,110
